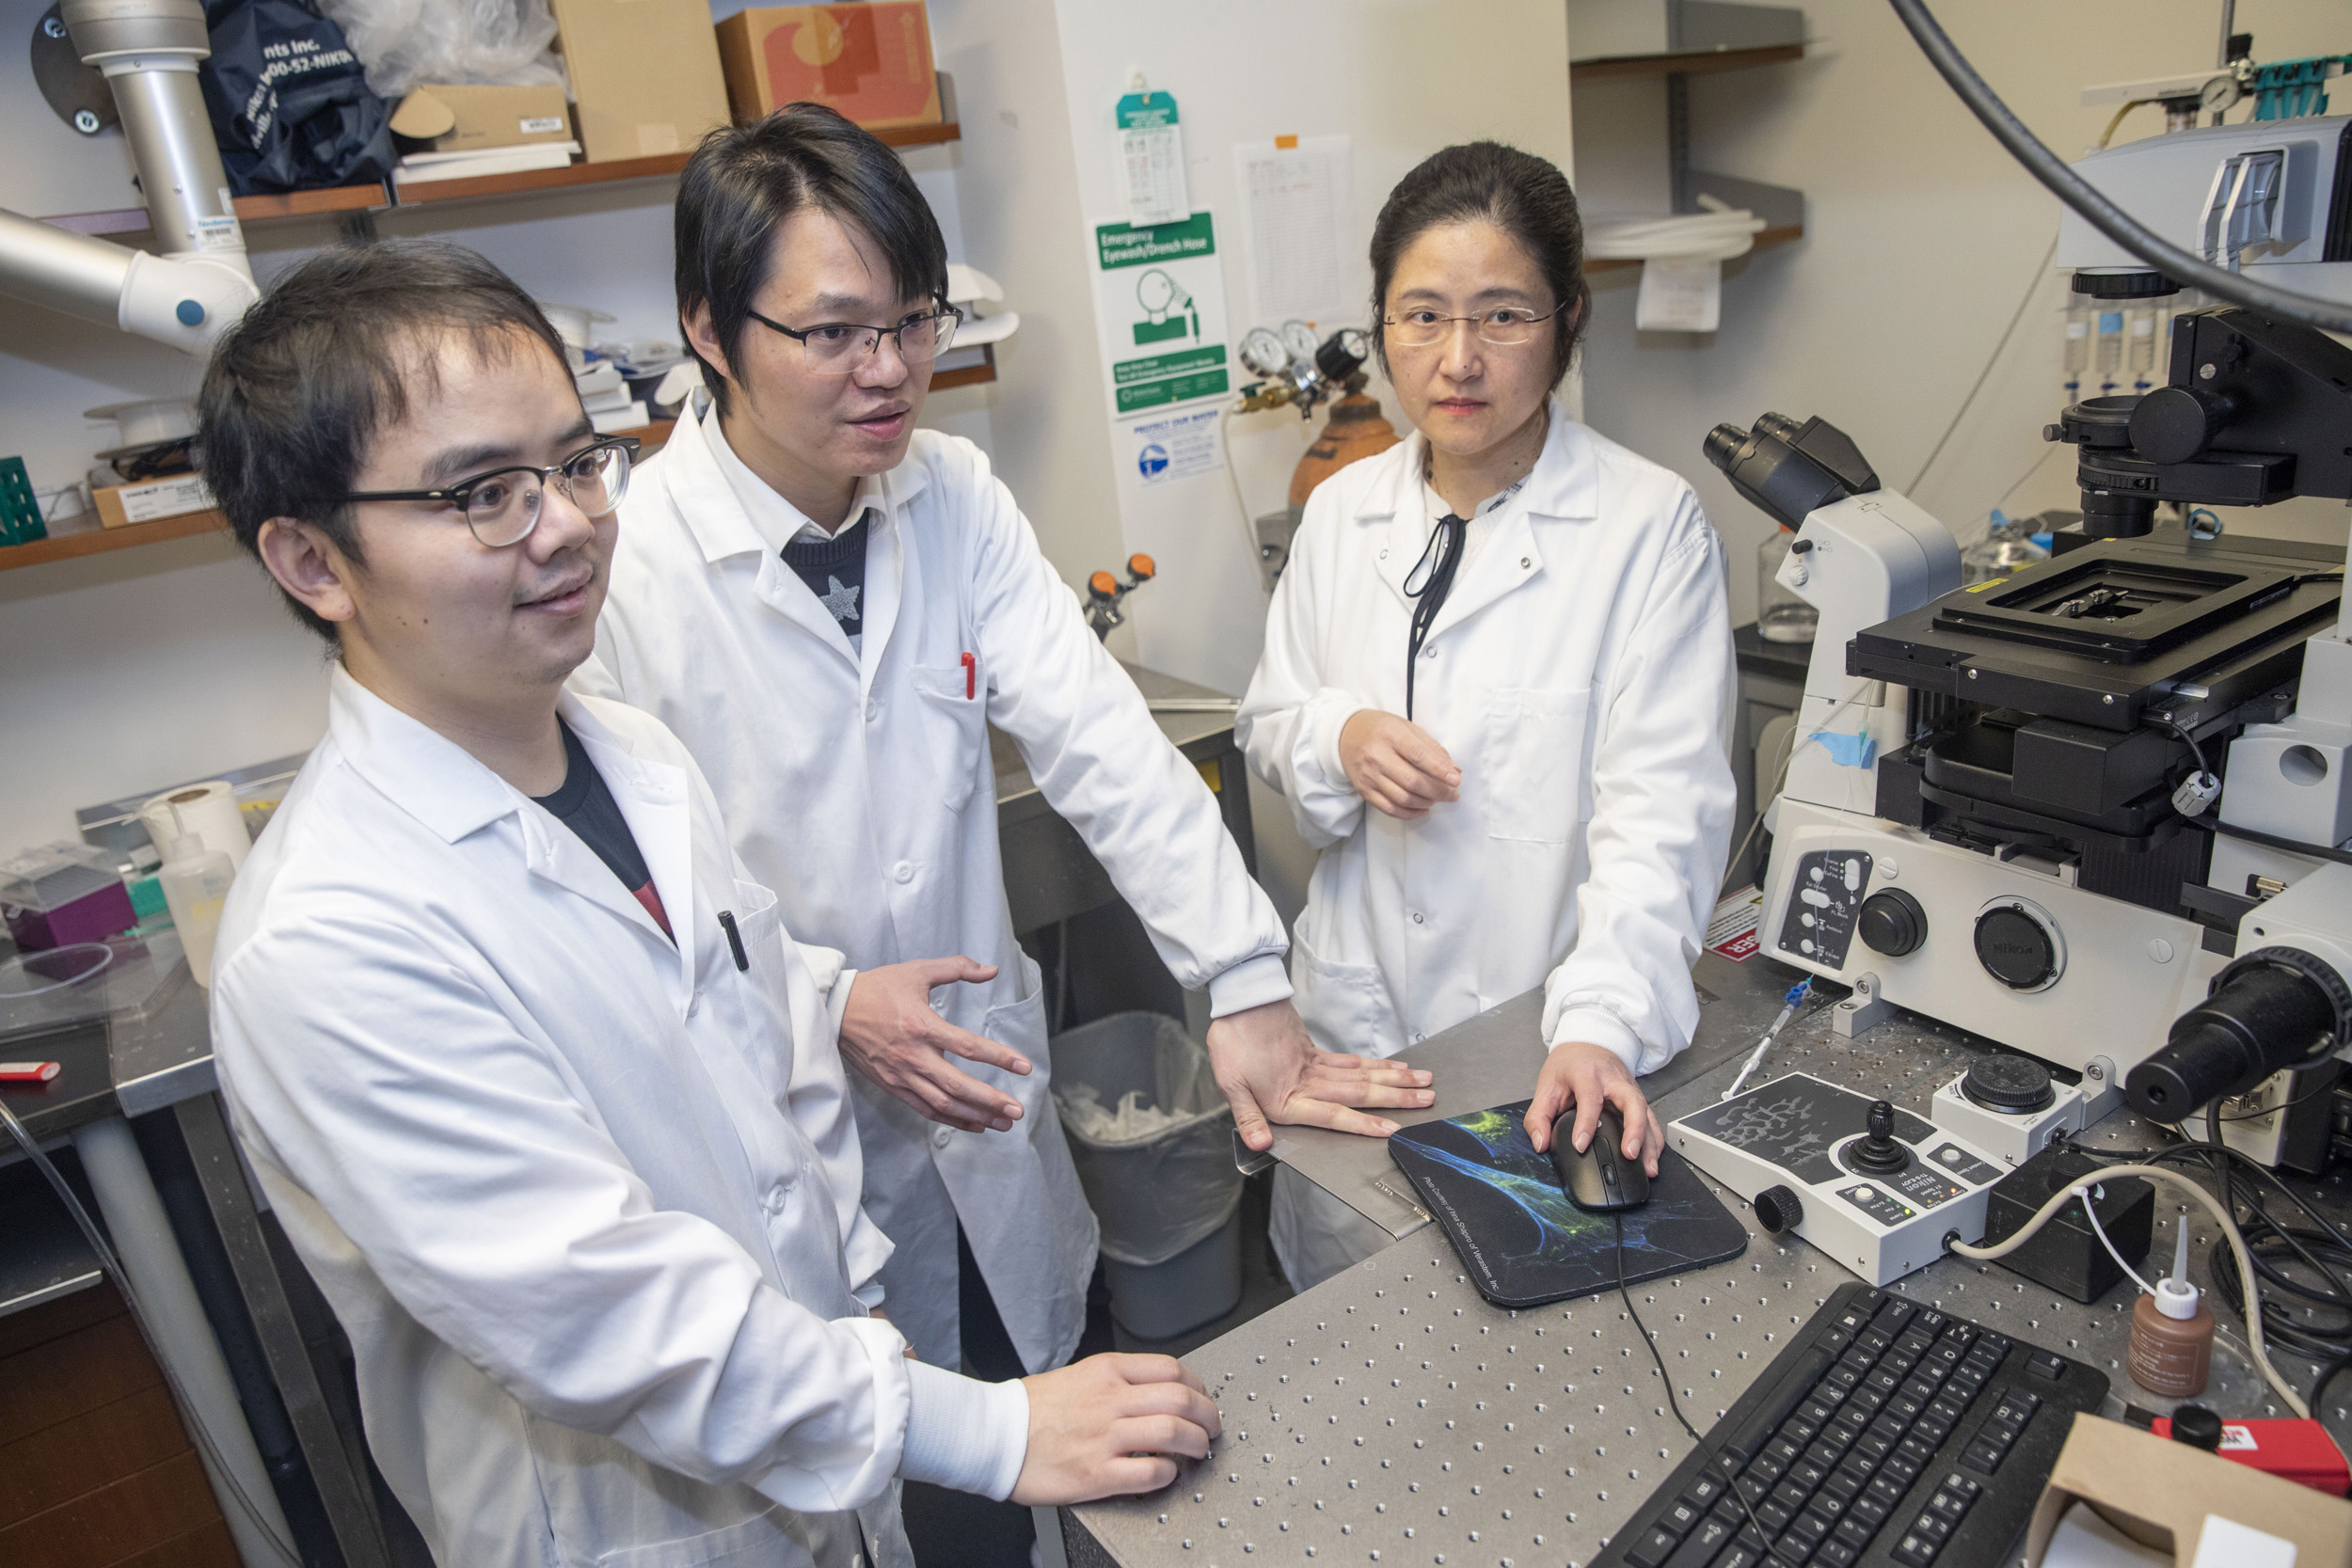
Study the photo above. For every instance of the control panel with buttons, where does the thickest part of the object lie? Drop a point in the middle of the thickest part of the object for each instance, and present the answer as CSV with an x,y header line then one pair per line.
x,y
1820,922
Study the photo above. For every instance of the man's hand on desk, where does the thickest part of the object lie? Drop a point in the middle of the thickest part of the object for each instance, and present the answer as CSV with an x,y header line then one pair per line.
x,y
891,1034
1105,1427
1271,1071
1588,1076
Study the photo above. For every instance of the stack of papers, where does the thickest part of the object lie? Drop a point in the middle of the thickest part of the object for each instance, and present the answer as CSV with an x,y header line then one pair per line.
x,y
605,396
417,167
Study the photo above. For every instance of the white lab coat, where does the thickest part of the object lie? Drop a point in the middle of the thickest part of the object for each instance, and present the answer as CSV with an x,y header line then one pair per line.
x,y
1581,674
858,783
584,1201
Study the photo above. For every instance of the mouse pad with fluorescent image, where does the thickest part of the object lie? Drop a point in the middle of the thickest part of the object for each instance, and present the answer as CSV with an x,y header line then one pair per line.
x,y
1523,1242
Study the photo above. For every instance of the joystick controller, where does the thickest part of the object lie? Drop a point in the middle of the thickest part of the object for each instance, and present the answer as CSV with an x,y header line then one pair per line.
x,y
1878,1153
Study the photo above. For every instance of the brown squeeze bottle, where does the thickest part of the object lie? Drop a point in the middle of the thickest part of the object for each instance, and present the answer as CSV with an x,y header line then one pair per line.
x,y
2172,1346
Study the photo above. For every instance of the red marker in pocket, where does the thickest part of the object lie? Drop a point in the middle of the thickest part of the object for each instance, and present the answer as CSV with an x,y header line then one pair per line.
x,y
971,678
27,1072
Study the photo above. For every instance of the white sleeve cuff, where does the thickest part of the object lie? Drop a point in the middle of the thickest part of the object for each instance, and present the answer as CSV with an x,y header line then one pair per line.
x,y
1330,718
837,1000
963,1434
1602,1028
1251,983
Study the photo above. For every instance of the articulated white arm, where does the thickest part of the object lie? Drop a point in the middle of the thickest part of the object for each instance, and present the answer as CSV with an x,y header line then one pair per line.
x,y
184,302
201,284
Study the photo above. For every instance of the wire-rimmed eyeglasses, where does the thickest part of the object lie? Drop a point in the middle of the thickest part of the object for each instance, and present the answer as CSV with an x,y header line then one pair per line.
x,y
838,348
1504,326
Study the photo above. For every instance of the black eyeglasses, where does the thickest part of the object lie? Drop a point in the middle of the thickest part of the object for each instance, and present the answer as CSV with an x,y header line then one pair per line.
x,y
837,348
503,505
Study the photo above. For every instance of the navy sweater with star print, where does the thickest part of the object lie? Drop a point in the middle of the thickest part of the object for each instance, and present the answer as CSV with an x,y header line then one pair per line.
x,y
834,570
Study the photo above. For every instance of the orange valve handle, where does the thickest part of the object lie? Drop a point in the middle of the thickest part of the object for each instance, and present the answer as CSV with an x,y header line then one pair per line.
x,y
1104,585
1143,568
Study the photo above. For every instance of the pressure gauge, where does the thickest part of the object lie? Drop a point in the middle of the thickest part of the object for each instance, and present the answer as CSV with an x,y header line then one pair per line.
x,y
1300,340
2221,93
1263,354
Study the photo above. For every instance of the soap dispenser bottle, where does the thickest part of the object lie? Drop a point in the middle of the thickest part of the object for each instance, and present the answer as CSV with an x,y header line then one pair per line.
x,y
2171,1345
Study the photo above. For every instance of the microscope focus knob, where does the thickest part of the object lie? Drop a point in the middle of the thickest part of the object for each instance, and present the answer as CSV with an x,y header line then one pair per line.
x,y
2173,424
1893,923
1778,1211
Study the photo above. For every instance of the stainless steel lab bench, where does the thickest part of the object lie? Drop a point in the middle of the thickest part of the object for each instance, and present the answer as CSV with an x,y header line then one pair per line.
x,y
1391,1415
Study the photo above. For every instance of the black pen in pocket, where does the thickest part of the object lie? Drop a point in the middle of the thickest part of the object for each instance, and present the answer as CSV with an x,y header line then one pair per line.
x,y
734,938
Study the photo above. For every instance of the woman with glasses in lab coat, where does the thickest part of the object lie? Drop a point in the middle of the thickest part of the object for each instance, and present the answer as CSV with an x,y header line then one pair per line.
x,y
1496,690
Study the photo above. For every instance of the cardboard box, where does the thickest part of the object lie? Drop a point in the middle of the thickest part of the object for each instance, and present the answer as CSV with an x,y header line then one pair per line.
x,y
645,77
120,505
469,119
872,62
2161,1493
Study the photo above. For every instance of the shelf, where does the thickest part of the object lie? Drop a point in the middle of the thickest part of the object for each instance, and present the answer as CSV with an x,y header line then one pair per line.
x,y
1702,63
1764,237
99,541
250,209
377,198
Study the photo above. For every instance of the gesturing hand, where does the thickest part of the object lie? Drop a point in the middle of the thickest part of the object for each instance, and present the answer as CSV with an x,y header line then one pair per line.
x,y
1271,1071
1109,1425
1395,763
890,1033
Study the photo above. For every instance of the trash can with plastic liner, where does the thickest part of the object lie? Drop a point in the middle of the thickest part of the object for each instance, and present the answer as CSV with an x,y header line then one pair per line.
x,y
1152,1135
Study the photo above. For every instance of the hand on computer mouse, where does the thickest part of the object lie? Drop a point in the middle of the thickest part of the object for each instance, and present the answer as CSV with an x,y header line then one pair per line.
x,y
1587,1077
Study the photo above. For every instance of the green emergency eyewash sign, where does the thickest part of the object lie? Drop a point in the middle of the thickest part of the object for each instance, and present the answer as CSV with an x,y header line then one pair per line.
x,y
1159,295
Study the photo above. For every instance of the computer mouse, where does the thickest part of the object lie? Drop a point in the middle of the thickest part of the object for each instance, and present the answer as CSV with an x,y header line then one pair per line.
x,y
1601,1179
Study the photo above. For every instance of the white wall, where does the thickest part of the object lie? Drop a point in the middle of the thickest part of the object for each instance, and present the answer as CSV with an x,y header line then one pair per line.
x,y
147,666
1922,237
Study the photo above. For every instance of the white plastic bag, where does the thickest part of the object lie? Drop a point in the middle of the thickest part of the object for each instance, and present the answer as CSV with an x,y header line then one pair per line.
x,y
407,43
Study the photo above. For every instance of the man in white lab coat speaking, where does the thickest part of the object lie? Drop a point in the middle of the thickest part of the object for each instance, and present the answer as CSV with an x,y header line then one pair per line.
x,y
830,607
540,1086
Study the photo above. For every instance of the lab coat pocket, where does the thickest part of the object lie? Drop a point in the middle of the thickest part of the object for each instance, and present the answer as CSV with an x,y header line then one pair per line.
x,y
1344,1007
1537,780
1019,1025
955,729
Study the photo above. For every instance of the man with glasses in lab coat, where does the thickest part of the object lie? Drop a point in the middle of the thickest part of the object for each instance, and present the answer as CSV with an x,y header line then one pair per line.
x,y
830,607
540,1086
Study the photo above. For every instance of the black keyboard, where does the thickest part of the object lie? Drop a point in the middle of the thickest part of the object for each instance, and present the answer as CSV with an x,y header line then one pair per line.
x,y
1884,1433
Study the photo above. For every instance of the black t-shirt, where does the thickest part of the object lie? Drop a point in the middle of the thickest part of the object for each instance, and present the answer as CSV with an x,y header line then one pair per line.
x,y
834,570
584,804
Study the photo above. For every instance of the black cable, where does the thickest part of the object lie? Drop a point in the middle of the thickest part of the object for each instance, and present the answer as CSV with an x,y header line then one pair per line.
x,y
2093,206
2269,1243
2181,732
2303,1099
1731,1475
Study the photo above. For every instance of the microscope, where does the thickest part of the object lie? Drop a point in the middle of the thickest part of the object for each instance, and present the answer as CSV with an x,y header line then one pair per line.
x,y
2094,810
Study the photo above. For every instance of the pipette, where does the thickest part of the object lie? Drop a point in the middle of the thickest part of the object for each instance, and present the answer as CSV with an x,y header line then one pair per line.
x,y
1789,1004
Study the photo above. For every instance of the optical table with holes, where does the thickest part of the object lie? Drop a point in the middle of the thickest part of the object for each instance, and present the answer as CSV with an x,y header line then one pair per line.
x,y
1391,1415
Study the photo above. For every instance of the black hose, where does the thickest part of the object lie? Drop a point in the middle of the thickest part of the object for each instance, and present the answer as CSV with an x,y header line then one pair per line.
x,y
2096,210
